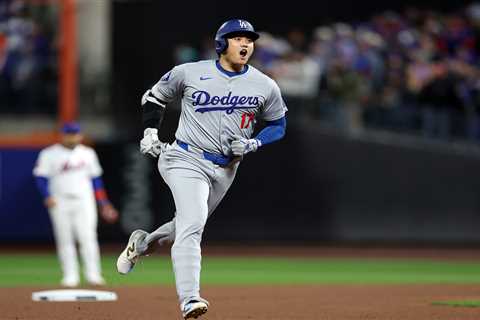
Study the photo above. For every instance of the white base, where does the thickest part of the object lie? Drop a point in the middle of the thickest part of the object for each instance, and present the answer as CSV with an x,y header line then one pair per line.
x,y
74,295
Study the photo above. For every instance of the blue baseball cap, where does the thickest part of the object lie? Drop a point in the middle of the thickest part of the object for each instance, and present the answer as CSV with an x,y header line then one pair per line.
x,y
70,128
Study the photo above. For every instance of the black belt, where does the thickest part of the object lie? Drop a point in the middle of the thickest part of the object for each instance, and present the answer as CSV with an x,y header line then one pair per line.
x,y
218,159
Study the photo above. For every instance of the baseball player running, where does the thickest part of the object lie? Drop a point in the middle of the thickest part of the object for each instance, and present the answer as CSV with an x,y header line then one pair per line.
x,y
68,176
221,101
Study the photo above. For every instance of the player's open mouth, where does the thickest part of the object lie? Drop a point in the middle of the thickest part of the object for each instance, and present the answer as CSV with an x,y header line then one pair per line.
x,y
243,52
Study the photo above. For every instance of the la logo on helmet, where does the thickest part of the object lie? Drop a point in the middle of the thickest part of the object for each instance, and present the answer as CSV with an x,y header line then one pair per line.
x,y
243,24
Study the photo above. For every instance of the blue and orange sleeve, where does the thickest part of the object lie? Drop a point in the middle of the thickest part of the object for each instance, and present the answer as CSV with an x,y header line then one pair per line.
x,y
99,190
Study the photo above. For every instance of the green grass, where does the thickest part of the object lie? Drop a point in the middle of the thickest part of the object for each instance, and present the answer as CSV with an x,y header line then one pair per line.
x,y
467,303
43,269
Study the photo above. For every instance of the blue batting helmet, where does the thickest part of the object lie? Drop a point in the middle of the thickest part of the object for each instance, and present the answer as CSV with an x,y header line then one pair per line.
x,y
233,26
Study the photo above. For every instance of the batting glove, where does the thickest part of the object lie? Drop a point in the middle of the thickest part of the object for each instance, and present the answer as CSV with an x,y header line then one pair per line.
x,y
150,143
241,146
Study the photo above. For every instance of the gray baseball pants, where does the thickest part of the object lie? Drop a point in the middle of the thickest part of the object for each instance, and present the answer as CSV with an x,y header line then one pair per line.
x,y
197,185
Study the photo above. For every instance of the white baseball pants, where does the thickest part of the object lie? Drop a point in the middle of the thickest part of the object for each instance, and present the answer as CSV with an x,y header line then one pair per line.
x,y
75,220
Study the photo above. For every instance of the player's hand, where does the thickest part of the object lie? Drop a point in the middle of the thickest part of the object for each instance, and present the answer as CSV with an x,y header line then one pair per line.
x,y
50,202
241,146
150,143
109,213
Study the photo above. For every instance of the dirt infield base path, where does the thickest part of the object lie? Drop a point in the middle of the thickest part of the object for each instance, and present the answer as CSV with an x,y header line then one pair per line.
x,y
323,302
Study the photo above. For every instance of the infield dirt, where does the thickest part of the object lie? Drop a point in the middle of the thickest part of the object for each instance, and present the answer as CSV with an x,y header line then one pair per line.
x,y
322,302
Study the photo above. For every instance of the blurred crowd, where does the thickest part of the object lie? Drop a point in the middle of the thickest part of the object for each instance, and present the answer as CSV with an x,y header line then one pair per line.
x,y
415,71
28,58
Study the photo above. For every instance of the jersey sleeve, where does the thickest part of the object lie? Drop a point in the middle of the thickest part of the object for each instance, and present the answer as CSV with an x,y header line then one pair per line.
x,y
170,85
274,107
95,169
43,165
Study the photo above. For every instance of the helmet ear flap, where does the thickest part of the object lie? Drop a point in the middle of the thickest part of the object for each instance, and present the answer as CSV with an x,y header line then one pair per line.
x,y
221,45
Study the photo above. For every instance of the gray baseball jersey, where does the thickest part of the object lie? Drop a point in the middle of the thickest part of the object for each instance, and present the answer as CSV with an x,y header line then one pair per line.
x,y
217,106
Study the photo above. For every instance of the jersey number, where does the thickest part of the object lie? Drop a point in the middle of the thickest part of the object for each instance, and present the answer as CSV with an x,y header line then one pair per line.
x,y
247,118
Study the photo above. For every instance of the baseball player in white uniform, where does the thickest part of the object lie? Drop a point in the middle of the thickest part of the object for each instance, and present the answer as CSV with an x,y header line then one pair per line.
x,y
221,101
68,176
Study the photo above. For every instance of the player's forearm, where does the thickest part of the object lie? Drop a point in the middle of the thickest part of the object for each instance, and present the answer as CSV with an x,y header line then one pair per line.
x,y
42,185
107,211
153,110
100,193
274,131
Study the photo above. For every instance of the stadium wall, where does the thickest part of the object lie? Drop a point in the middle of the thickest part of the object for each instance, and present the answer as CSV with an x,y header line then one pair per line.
x,y
312,187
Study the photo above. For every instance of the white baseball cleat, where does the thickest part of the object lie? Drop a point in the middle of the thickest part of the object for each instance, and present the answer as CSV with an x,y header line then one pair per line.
x,y
194,308
69,282
96,281
130,255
